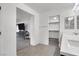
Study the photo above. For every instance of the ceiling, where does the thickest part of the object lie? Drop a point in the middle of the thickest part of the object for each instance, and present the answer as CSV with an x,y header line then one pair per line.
x,y
45,7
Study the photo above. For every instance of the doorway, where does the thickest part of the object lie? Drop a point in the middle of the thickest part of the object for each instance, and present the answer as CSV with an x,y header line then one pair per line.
x,y
54,30
24,27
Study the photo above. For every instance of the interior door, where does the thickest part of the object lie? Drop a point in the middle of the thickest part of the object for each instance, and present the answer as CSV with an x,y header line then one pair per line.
x,y
7,29
1,32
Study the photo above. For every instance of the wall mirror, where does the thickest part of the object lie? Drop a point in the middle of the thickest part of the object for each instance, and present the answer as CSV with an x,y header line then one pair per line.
x,y
69,22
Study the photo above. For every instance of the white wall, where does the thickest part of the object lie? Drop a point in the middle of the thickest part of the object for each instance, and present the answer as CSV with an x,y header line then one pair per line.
x,y
43,29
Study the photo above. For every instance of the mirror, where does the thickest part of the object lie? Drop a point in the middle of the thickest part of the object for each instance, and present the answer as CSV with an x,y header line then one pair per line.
x,y
69,22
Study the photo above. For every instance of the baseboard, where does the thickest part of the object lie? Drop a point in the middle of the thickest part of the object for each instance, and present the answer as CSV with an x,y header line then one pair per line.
x,y
34,44
45,43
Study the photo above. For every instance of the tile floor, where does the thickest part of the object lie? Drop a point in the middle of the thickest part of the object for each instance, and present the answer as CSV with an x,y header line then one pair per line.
x,y
24,49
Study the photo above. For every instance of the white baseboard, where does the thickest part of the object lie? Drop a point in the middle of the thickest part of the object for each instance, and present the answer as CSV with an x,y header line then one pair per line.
x,y
45,43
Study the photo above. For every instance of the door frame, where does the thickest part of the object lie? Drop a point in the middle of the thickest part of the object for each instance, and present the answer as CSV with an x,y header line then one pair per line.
x,y
32,18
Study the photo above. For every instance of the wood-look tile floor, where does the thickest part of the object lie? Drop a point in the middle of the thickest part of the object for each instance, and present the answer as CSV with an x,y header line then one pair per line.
x,y
41,50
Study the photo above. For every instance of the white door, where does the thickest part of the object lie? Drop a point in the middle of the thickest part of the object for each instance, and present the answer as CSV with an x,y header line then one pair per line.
x,y
1,31
7,29
70,39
